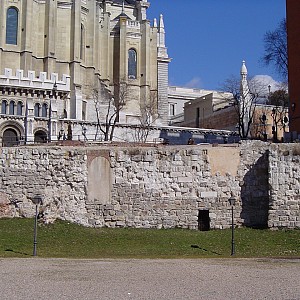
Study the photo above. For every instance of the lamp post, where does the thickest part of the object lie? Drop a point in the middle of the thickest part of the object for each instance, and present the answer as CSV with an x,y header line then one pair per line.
x,y
231,201
263,121
37,199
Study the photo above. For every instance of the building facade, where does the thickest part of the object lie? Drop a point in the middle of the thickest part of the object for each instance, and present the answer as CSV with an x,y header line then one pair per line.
x,y
293,42
55,54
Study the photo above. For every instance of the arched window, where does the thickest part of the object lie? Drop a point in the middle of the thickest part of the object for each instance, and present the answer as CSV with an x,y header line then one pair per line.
x,y
82,41
44,110
11,107
37,110
12,26
20,108
132,64
4,107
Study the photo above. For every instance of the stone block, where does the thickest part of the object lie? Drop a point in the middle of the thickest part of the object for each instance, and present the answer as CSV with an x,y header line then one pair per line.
x,y
185,179
208,194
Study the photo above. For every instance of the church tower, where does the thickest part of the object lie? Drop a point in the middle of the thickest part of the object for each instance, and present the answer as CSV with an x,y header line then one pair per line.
x,y
52,51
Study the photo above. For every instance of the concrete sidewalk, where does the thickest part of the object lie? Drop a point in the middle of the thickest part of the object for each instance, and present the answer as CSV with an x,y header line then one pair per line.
x,y
36,278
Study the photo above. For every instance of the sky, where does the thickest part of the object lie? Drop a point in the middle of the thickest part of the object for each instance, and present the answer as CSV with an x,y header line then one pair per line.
x,y
208,39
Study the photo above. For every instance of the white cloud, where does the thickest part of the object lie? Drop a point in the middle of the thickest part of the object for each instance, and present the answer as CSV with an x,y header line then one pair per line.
x,y
264,81
194,83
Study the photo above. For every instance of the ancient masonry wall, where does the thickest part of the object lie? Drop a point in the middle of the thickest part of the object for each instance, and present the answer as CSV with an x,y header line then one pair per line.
x,y
59,174
284,182
154,187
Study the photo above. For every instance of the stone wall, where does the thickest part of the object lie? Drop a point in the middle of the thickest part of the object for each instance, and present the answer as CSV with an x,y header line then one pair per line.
x,y
154,186
167,186
59,174
284,182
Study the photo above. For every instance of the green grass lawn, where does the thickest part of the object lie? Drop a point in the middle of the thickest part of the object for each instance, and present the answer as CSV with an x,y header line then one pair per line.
x,y
63,239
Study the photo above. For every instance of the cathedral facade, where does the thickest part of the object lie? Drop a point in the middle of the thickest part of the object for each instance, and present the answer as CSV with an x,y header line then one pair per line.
x,y
64,64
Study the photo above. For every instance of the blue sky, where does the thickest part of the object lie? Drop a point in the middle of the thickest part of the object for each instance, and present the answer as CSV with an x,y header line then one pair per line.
x,y
208,39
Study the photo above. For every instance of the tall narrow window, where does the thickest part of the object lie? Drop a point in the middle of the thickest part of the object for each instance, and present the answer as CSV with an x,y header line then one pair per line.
x,y
37,110
83,110
197,117
44,110
11,107
172,109
82,41
12,26
20,108
132,64
4,107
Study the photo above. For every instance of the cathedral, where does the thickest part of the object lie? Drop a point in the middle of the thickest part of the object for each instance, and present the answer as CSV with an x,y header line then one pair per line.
x,y
68,67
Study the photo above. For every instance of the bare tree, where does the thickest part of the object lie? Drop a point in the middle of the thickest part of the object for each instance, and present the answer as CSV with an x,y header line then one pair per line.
x,y
149,115
108,106
279,99
275,45
244,100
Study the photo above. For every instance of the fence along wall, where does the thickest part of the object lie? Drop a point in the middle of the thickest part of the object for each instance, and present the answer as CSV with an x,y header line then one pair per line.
x,y
154,187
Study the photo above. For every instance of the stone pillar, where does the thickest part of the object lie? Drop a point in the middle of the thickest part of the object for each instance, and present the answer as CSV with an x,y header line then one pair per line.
x,y
50,36
26,36
145,65
29,121
75,72
123,48
52,123
2,31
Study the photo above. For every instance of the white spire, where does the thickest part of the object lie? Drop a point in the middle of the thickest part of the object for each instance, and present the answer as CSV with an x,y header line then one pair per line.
x,y
244,70
155,23
161,22
245,103
161,32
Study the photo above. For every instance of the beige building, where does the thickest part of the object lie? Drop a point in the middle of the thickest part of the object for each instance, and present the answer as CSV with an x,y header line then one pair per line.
x,y
55,54
248,115
178,97
203,108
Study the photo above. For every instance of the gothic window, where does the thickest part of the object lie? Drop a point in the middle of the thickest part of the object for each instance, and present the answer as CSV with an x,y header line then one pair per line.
x,y
37,110
44,110
20,108
3,107
11,107
12,26
132,64
82,41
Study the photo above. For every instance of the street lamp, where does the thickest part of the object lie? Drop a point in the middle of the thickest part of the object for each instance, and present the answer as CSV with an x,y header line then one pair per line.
x,y
37,200
231,201
263,121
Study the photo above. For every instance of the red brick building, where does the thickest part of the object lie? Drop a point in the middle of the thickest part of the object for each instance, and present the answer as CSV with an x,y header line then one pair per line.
x,y
293,34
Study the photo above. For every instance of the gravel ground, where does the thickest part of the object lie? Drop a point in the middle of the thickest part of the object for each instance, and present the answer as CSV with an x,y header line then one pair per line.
x,y
36,278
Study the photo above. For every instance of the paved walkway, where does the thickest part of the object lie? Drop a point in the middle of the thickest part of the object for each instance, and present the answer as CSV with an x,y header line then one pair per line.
x,y
36,278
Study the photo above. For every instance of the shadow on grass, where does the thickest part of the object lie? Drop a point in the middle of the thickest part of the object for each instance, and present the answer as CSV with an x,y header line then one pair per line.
x,y
198,247
16,252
